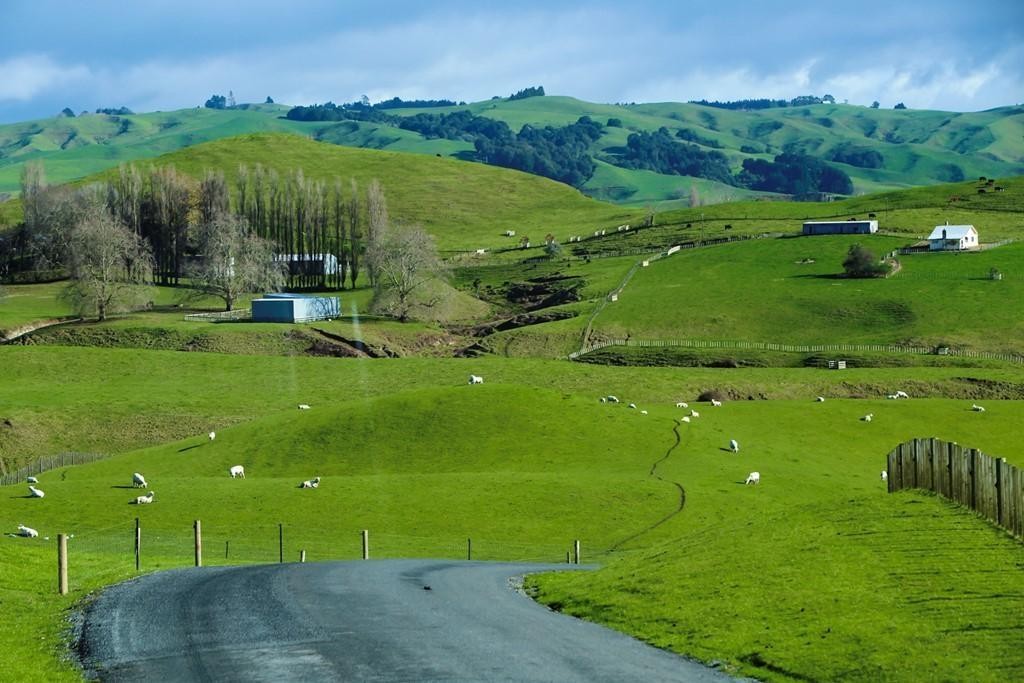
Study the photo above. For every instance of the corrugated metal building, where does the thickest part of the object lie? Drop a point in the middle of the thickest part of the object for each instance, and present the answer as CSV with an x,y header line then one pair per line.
x,y
294,308
840,227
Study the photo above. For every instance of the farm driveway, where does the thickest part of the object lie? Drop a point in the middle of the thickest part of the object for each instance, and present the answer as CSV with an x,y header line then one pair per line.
x,y
356,621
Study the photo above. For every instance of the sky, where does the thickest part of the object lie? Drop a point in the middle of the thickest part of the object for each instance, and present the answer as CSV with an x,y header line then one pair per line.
x,y
953,55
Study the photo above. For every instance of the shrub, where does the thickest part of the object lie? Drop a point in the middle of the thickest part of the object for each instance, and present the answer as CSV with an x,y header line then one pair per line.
x,y
861,262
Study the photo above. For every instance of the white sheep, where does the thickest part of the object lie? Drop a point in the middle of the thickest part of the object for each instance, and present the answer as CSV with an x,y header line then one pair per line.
x,y
476,379
820,399
885,475
603,399
310,483
34,492
891,396
139,481
682,404
902,394
753,478
685,418
144,500
32,480
694,413
303,406
481,252
976,408
867,418
27,531
643,412
510,233
734,446
613,399
237,471
213,435
716,403
633,406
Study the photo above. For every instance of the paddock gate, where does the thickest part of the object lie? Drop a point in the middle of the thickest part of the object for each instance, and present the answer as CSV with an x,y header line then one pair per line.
x,y
990,486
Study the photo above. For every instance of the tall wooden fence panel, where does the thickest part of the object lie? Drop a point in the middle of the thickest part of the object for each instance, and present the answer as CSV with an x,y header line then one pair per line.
x,y
990,486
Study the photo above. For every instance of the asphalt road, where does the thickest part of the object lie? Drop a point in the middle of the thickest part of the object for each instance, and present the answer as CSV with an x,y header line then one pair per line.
x,y
356,621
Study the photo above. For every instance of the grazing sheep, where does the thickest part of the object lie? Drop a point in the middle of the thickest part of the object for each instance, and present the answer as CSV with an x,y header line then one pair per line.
x,y
885,475
734,446
753,478
144,500
303,406
694,413
237,471
603,399
902,394
976,408
34,492
685,418
716,403
476,379
820,399
867,418
213,435
633,406
643,412
510,233
891,396
310,483
481,252
682,404
32,480
27,531
139,481
613,399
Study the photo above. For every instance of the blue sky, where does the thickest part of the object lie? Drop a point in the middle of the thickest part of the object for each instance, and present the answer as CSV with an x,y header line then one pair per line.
x,y
938,54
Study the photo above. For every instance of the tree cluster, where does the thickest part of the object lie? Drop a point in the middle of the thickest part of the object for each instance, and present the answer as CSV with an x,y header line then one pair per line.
x,y
861,262
115,111
329,111
216,102
793,174
693,136
661,152
399,103
861,157
764,103
535,91
561,154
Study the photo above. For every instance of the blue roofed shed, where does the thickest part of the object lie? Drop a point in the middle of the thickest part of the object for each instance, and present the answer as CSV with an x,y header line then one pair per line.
x,y
285,307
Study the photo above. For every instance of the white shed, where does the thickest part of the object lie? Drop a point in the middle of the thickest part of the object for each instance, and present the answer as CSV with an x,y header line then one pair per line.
x,y
953,238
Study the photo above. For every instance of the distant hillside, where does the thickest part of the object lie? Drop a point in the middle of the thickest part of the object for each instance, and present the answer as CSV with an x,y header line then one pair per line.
x,y
466,206
878,148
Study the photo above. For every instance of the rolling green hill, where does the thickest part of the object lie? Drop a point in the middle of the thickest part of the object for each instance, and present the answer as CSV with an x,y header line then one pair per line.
x,y
914,147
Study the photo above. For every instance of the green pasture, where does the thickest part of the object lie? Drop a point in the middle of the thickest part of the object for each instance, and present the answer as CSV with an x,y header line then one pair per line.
x,y
814,573
24,304
535,468
787,291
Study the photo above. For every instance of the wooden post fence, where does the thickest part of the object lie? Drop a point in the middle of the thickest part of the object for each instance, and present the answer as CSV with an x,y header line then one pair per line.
x,y
990,486
138,544
366,544
576,551
62,564
198,529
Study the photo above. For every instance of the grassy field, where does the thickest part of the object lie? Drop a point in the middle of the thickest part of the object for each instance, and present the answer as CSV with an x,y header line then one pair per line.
x,y
565,466
787,291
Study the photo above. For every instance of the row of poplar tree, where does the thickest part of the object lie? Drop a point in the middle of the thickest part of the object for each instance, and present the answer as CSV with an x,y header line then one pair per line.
x,y
308,222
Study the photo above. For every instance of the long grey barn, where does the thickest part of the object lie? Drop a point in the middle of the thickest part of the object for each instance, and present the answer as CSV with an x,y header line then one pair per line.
x,y
840,227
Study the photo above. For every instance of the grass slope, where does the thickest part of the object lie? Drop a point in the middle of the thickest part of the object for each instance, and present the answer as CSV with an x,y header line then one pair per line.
x,y
763,291
918,147
812,574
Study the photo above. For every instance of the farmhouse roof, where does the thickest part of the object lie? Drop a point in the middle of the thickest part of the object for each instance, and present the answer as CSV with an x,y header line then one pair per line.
x,y
953,232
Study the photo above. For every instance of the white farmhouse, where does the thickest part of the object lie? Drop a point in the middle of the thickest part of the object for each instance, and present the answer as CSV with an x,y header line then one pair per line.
x,y
953,238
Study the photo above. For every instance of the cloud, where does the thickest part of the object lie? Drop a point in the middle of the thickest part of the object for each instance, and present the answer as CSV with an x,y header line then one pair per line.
x,y
26,76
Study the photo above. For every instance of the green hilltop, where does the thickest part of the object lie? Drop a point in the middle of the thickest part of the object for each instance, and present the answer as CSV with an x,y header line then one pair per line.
x,y
878,149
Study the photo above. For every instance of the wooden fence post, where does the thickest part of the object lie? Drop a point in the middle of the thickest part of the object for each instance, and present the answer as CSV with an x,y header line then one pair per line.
x,y
366,544
280,543
226,543
469,548
302,556
62,564
138,544
576,550
198,529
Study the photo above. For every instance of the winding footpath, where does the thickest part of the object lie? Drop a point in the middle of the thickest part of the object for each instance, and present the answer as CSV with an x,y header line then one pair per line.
x,y
379,620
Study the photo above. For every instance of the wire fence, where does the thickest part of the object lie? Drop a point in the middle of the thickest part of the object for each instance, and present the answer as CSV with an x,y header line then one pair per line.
x,y
49,462
798,348
97,556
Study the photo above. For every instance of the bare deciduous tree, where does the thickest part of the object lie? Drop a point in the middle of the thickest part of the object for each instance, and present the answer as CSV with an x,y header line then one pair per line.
x,y
110,266
376,225
405,261
234,261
